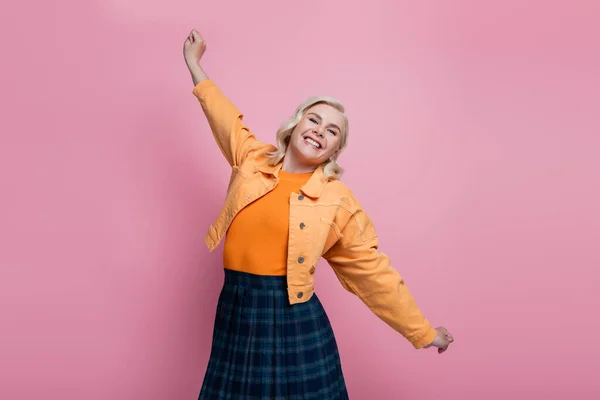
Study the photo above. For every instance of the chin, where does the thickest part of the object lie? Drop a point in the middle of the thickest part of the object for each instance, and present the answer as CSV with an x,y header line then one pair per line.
x,y
315,161
308,157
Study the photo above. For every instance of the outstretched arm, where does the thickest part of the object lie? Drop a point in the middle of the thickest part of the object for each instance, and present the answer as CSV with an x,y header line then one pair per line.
x,y
368,273
232,136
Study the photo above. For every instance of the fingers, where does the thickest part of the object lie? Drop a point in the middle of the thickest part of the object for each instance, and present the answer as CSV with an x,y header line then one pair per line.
x,y
193,36
444,348
448,339
447,334
443,340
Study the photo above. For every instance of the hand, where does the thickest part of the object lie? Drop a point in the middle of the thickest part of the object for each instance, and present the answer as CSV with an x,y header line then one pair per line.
x,y
442,340
193,49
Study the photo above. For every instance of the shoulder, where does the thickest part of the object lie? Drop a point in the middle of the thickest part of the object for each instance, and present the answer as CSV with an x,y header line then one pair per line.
x,y
353,220
258,152
338,191
262,149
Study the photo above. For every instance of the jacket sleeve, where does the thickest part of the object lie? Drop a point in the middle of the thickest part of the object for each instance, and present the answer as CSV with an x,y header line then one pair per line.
x,y
225,121
368,273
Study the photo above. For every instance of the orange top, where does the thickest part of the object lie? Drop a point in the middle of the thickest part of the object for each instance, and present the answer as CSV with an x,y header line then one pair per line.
x,y
257,239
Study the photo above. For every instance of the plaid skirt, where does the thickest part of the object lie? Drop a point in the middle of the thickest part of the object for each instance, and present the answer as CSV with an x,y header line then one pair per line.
x,y
265,348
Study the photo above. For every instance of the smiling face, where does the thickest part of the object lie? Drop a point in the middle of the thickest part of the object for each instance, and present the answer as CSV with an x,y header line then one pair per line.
x,y
315,139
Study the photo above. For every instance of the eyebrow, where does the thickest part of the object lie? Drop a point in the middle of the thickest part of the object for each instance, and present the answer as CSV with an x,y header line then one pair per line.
x,y
318,116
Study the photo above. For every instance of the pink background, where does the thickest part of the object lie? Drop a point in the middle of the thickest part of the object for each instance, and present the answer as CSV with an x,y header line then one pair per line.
x,y
474,146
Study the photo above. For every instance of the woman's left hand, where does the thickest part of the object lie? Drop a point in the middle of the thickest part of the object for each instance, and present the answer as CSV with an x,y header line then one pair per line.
x,y
442,340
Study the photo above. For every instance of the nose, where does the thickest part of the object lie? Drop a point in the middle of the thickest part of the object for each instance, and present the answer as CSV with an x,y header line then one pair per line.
x,y
319,132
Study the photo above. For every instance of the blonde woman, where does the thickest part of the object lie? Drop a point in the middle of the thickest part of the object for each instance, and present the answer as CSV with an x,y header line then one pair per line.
x,y
285,209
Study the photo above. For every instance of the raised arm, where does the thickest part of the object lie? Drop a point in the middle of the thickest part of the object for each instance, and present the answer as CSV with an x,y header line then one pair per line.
x,y
232,136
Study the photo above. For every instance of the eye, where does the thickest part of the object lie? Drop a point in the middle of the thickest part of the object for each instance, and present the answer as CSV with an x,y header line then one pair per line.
x,y
314,121
333,132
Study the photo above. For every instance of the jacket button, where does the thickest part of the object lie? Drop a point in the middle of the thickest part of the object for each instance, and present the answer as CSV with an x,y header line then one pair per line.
x,y
301,260
301,197
302,225
300,294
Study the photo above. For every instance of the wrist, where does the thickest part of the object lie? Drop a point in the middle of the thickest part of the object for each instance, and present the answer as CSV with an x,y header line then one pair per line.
x,y
193,66
198,74
431,338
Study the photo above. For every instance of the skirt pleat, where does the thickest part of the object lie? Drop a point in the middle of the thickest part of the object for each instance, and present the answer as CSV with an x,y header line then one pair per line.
x,y
265,348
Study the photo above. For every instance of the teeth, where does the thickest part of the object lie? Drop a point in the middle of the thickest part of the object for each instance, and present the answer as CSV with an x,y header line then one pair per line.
x,y
309,140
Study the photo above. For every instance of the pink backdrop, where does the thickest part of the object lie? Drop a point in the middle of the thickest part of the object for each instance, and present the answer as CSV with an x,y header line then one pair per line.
x,y
474,146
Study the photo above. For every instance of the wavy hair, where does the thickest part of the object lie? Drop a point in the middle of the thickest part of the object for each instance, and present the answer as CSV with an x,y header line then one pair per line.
x,y
332,170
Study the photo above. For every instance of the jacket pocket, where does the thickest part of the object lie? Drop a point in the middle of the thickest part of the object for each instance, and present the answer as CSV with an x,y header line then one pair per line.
x,y
329,234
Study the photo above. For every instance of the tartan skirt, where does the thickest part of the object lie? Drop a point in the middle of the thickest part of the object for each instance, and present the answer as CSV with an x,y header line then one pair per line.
x,y
265,348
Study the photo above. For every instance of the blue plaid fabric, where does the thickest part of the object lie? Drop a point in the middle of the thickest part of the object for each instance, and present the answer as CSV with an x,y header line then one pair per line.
x,y
264,348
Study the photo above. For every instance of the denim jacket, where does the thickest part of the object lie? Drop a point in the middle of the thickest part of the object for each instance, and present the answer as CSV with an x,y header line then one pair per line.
x,y
326,220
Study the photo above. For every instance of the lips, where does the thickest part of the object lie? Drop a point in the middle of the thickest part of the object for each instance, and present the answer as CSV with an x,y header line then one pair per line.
x,y
312,141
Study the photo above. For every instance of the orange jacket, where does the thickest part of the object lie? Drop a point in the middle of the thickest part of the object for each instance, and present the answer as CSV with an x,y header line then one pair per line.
x,y
326,220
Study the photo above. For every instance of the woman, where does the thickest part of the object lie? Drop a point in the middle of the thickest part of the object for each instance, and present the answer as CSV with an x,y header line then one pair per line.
x,y
285,209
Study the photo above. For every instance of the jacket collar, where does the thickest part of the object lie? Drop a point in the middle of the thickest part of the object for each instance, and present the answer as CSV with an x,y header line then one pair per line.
x,y
313,188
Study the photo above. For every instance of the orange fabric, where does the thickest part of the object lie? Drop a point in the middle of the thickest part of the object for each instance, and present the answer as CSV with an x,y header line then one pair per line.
x,y
257,239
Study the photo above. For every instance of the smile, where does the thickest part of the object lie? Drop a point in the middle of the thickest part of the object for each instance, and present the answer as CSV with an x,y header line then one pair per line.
x,y
312,142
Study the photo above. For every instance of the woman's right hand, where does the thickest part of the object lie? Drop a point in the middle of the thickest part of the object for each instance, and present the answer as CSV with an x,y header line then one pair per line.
x,y
193,49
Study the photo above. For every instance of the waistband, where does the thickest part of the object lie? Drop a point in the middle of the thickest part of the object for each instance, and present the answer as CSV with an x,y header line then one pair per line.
x,y
253,281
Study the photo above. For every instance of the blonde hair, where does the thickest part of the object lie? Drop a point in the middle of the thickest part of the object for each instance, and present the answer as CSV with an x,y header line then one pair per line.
x,y
332,170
